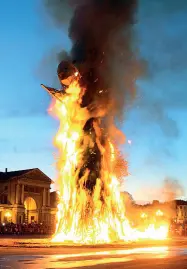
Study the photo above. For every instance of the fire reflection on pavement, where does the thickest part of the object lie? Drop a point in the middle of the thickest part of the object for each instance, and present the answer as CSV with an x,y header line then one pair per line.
x,y
89,259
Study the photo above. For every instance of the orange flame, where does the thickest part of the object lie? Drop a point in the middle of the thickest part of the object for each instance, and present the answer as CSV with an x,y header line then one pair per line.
x,y
82,217
159,213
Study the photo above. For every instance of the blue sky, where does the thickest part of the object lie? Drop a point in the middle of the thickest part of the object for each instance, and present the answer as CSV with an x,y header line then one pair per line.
x,y
156,123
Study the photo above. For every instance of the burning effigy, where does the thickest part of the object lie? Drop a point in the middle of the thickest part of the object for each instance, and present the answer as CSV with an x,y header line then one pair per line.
x,y
90,165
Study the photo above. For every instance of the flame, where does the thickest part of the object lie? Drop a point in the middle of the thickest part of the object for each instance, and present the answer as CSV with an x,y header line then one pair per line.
x,y
159,213
143,215
84,216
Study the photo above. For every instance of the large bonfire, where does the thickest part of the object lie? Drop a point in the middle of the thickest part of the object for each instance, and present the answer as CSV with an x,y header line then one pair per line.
x,y
91,208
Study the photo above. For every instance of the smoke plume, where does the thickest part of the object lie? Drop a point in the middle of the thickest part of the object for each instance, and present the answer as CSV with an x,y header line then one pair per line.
x,y
102,36
172,189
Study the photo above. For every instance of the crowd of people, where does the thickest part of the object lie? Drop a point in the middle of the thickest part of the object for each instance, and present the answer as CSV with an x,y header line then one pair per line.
x,y
43,229
25,229
177,229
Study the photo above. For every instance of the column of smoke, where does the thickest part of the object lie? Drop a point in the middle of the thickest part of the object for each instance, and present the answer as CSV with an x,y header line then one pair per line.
x,y
172,189
101,32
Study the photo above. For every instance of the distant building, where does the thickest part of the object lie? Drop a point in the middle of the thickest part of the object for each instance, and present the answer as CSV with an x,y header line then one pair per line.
x,y
128,199
181,211
175,210
25,197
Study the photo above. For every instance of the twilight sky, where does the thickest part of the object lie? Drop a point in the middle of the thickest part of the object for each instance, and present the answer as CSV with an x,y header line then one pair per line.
x,y
156,123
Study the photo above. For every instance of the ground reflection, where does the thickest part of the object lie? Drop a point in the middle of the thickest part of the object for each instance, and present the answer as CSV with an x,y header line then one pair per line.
x,y
107,257
89,259
150,250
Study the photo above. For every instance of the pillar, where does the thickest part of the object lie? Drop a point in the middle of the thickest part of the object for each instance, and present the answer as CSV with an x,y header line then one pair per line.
x,y
44,197
48,200
17,194
22,194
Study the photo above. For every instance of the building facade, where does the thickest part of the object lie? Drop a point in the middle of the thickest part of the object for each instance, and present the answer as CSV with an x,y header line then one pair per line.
x,y
181,211
25,197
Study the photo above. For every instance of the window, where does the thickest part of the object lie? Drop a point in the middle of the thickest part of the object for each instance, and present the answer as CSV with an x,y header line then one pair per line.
x,y
31,189
3,199
26,188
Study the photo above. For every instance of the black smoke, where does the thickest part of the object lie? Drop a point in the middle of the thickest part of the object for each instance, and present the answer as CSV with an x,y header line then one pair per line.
x,y
102,36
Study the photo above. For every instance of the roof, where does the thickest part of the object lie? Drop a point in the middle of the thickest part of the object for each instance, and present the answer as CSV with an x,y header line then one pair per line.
x,y
181,202
4,176
7,175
